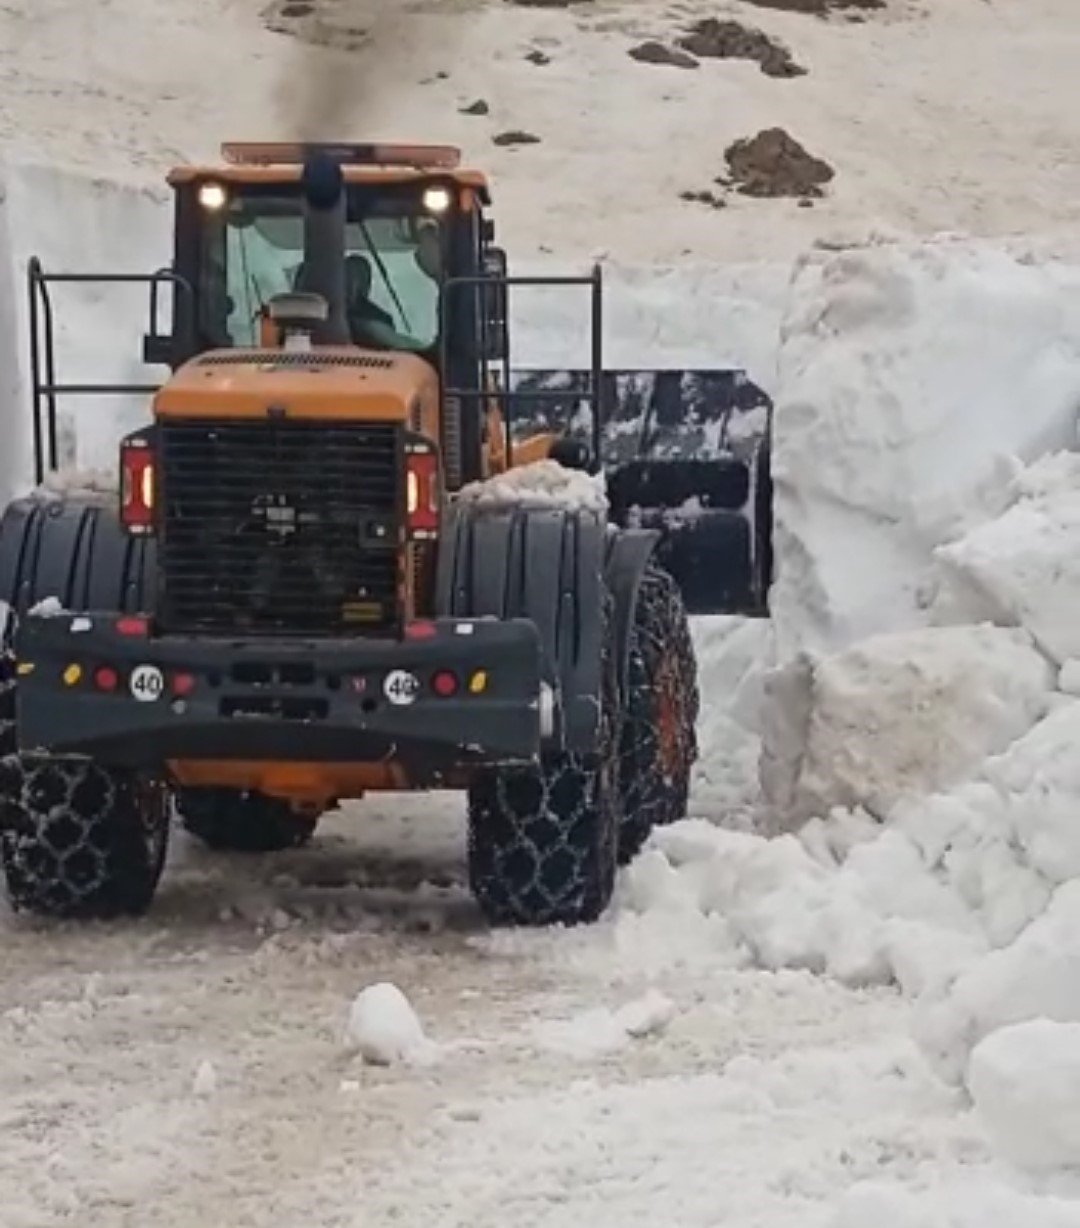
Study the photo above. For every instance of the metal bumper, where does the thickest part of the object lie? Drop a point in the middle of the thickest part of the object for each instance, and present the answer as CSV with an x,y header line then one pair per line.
x,y
94,685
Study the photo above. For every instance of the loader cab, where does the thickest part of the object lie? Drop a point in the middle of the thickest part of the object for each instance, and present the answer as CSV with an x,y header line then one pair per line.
x,y
415,233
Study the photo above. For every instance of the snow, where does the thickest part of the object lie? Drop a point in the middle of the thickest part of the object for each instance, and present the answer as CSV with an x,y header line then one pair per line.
x,y
602,1031
906,714
1021,568
543,484
915,381
384,1028
1025,1082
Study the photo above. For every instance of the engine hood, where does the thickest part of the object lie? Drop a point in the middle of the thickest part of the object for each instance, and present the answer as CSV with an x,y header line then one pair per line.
x,y
322,383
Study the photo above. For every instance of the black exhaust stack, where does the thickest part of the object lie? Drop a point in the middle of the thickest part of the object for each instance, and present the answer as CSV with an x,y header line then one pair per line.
x,y
323,273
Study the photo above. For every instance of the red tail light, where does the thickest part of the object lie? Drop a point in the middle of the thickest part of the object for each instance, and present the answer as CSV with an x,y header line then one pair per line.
x,y
138,486
422,488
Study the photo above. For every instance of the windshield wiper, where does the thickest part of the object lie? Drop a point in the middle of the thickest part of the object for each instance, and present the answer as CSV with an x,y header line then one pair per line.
x,y
384,275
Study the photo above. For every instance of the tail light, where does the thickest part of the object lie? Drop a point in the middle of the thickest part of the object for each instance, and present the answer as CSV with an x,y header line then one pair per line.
x,y
138,485
422,491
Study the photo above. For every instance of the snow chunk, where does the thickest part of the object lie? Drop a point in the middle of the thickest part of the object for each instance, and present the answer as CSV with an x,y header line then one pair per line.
x,y
899,716
66,482
1025,1081
48,607
1022,569
602,1031
915,381
205,1082
383,1027
1036,976
543,484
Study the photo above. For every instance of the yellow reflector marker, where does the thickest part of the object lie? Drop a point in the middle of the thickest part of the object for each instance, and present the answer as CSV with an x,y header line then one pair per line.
x,y
72,675
478,682
24,667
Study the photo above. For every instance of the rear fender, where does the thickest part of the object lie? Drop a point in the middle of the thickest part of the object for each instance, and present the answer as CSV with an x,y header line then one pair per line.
x,y
74,549
546,565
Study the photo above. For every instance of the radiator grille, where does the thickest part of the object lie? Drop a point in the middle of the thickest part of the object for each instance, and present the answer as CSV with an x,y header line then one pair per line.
x,y
276,527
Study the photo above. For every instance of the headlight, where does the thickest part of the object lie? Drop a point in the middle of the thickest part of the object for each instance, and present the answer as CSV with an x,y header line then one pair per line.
x,y
437,200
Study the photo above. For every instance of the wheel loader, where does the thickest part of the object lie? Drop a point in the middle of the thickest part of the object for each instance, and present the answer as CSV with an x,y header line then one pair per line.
x,y
355,549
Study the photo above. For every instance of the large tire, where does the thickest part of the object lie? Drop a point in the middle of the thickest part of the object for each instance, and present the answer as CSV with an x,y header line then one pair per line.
x,y
227,820
658,740
543,840
78,840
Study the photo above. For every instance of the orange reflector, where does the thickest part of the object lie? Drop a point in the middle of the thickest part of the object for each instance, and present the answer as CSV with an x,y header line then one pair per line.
x,y
72,675
478,682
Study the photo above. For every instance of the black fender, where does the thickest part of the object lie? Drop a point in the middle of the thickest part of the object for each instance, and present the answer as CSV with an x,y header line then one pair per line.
x,y
629,553
546,565
551,566
74,548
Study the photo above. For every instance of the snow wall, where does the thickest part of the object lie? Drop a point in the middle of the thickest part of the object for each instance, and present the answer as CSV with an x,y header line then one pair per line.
x,y
75,225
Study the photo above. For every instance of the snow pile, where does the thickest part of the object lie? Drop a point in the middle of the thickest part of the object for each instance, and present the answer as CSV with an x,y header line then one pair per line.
x,y
733,655
968,899
1025,1081
384,1029
1023,569
543,484
914,382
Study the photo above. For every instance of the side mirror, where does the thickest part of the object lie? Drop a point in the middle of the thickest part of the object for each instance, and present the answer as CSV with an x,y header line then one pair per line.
x,y
496,336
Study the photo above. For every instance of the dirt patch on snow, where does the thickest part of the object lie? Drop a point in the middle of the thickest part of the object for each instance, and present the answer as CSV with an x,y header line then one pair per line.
x,y
731,40
820,8
773,163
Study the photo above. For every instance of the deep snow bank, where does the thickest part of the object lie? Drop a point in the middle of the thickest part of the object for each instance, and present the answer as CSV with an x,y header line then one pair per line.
x,y
76,224
913,382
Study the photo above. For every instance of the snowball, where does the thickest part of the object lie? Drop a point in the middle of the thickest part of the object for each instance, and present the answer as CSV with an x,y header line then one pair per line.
x,y
383,1027
1025,1082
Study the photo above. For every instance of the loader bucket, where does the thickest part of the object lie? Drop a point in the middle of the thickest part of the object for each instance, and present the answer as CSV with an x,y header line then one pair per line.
x,y
685,452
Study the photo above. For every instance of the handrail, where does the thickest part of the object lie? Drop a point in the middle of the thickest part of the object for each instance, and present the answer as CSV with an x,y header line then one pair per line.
x,y
42,347
504,395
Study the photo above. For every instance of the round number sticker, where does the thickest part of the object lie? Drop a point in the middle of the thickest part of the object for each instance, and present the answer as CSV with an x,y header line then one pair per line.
x,y
147,683
401,687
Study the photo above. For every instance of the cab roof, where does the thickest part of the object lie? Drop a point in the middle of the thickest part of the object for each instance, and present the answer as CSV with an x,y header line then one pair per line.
x,y
266,162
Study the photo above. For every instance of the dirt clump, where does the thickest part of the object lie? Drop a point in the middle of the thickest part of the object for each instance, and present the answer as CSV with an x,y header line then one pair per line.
x,y
773,163
656,53
713,38
820,8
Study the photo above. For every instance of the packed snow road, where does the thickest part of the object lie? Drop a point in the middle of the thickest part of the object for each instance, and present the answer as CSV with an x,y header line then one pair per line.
x,y
190,1068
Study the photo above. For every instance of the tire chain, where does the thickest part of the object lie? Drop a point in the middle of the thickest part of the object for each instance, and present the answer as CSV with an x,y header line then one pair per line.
x,y
660,637
73,837
535,855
